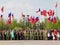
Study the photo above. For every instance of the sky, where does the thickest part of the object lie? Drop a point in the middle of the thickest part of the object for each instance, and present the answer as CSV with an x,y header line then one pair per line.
x,y
28,7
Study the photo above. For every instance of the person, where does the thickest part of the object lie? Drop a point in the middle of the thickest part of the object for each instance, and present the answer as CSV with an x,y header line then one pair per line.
x,y
48,35
16,35
55,34
4,35
1,35
38,34
58,36
24,34
9,35
12,35
35,35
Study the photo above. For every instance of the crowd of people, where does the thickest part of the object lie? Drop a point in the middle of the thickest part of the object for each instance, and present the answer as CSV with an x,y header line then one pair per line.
x,y
21,35
29,35
54,35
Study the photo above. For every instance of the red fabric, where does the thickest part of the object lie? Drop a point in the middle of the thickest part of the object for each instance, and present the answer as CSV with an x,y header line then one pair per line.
x,y
54,21
41,12
49,19
22,15
1,16
28,20
44,12
2,9
37,19
9,20
56,5
33,20
55,32
51,12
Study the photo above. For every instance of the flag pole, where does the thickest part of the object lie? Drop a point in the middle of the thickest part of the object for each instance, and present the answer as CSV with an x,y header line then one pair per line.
x,y
56,8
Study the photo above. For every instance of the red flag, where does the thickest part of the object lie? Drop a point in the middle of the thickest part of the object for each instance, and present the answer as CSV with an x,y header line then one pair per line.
x,y
1,16
44,12
54,20
41,12
9,19
51,18
22,14
28,20
55,32
2,9
56,5
51,12
37,19
32,20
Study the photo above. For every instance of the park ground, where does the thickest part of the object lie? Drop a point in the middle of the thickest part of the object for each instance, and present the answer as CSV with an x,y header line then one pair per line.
x,y
30,42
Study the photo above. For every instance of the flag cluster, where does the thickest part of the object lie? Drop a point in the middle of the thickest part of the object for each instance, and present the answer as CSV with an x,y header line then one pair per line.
x,y
50,13
30,19
33,20
2,10
52,19
45,12
9,18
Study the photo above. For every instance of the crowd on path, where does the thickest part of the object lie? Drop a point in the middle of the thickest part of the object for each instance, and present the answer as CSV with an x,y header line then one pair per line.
x,y
54,35
29,35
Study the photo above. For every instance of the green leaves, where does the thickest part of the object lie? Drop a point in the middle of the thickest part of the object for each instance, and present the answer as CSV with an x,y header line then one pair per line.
x,y
21,25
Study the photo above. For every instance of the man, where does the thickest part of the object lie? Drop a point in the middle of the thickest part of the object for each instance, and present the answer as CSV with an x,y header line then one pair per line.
x,y
1,35
4,35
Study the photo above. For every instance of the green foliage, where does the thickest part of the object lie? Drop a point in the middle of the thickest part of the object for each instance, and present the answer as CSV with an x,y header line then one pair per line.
x,y
22,25
50,25
17,28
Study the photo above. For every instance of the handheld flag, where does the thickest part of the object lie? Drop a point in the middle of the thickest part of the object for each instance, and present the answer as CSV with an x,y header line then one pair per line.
x,y
54,20
9,19
44,12
12,16
37,19
1,16
49,19
2,9
56,5
38,10
50,12
22,14
9,14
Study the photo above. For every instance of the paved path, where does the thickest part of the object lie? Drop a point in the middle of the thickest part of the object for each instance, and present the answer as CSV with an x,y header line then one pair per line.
x,y
33,42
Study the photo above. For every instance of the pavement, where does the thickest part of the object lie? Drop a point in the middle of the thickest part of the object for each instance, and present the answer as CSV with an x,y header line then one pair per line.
x,y
29,42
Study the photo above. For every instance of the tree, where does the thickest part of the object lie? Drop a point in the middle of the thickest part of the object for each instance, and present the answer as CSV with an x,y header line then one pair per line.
x,y
13,24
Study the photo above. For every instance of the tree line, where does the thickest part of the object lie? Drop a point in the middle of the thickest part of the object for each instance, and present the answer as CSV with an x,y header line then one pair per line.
x,y
21,25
